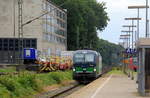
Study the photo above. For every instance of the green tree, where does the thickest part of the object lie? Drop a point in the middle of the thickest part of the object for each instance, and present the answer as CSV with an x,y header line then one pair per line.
x,y
85,17
109,51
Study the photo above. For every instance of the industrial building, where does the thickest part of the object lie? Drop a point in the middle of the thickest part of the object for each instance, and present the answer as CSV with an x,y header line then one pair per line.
x,y
48,33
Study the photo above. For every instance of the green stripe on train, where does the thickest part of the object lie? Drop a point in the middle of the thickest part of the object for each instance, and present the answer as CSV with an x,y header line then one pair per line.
x,y
89,69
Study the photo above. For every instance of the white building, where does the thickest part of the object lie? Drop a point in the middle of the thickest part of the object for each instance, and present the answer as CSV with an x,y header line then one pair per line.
x,y
50,31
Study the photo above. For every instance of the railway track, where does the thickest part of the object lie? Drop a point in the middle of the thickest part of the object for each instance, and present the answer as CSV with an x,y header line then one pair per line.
x,y
67,91
61,92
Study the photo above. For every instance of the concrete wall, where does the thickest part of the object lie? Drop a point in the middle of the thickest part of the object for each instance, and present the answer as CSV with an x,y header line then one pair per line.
x,y
31,9
6,18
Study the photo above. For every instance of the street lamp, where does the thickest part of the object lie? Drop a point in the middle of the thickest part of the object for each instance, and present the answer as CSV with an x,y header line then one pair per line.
x,y
138,8
129,26
128,32
132,19
146,19
125,38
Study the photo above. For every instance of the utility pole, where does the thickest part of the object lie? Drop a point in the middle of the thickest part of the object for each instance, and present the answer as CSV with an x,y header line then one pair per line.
x,y
20,31
14,16
132,19
14,33
125,39
138,16
129,26
146,19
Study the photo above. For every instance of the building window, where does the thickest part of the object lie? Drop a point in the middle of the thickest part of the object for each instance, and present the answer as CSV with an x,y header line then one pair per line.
x,y
58,52
44,6
45,28
49,52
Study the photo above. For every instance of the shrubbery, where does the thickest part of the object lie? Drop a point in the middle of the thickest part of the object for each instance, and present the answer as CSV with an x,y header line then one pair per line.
x,y
27,84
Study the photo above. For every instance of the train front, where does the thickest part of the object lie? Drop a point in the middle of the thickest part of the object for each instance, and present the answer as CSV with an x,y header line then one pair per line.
x,y
84,65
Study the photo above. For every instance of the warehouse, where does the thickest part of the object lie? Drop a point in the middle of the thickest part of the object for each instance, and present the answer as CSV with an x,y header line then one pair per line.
x,y
49,31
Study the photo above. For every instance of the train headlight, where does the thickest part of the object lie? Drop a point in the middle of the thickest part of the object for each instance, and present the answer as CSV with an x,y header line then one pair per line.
x,y
94,69
74,69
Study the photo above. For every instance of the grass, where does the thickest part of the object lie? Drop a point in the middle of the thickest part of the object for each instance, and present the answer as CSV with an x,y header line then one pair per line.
x,y
26,84
8,69
116,71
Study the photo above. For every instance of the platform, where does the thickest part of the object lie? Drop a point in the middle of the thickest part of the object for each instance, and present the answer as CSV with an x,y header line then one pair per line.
x,y
109,86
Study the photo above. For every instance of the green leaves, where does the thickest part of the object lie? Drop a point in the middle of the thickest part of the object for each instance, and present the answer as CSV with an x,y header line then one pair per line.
x,y
109,52
85,17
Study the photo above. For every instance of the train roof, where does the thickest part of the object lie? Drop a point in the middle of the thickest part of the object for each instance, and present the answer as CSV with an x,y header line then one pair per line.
x,y
86,51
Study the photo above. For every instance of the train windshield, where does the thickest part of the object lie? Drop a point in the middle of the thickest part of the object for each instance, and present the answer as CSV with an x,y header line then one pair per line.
x,y
79,58
89,57
82,58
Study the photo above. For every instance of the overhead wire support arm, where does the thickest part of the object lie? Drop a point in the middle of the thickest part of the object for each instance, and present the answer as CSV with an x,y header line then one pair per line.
x,y
30,21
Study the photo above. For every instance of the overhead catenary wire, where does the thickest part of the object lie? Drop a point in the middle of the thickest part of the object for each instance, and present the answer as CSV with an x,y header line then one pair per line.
x,y
36,18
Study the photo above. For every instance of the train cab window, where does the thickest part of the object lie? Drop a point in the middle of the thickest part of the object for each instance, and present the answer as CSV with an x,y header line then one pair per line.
x,y
28,53
89,57
79,58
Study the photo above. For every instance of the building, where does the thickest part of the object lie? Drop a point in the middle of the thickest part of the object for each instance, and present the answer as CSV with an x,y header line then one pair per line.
x,y
49,32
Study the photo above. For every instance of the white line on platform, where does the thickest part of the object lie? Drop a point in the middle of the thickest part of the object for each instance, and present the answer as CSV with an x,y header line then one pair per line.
x,y
98,90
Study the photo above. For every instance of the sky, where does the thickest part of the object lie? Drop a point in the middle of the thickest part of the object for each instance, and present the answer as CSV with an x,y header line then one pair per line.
x,y
118,10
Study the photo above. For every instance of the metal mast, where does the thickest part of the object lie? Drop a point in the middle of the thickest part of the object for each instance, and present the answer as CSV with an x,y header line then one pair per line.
x,y
20,30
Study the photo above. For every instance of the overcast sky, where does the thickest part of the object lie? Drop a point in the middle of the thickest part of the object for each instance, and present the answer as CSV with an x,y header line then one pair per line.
x,y
117,11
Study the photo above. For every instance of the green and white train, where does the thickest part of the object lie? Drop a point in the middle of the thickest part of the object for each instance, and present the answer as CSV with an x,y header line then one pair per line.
x,y
87,65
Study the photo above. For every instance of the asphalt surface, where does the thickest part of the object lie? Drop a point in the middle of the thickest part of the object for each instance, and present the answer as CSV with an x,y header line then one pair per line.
x,y
109,86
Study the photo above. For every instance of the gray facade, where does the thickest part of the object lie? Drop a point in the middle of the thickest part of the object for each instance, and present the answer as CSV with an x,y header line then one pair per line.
x,y
50,30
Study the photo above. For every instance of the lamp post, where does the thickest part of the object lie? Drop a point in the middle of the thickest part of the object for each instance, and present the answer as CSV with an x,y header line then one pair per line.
x,y
132,19
146,19
130,26
128,32
138,15
125,38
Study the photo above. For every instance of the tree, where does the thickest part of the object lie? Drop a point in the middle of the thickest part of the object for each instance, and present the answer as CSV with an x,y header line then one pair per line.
x,y
85,17
109,51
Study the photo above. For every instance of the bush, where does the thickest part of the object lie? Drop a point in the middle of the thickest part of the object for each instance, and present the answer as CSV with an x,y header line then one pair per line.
x,y
27,84
11,85
30,81
4,93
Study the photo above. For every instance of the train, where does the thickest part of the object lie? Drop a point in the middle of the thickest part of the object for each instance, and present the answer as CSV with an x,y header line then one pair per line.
x,y
52,63
29,55
87,65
